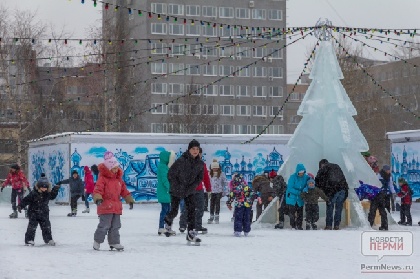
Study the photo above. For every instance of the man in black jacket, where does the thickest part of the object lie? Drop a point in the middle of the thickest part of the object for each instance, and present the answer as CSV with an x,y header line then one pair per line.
x,y
184,176
330,179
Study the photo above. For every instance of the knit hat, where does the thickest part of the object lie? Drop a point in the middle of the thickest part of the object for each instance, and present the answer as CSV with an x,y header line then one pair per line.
x,y
110,160
310,180
43,182
386,168
214,164
15,167
272,174
402,180
193,143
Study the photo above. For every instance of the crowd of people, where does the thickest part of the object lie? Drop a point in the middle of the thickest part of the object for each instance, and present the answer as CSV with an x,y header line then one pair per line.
x,y
185,184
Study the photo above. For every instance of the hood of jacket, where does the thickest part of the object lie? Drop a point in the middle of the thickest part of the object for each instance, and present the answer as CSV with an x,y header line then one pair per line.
x,y
109,174
87,170
164,157
300,167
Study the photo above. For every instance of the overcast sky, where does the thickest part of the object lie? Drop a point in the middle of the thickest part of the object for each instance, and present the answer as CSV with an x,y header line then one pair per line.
x,y
356,13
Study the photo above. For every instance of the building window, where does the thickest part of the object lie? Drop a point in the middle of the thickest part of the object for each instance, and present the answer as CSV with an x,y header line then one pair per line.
x,y
193,70
210,109
243,110
193,30
259,52
225,70
259,91
209,70
193,89
294,97
176,88
257,129
243,72
242,13
178,49
275,91
159,88
274,53
225,12
209,31
210,90
210,129
275,110
159,8
158,68
275,14
258,14
294,119
276,129
159,108
176,109
195,110
227,31
158,127
243,91
227,129
175,9
159,28
243,52
209,51
227,110
176,29
209,11
226,90
275,72
259,72
192,10
193,50
176,69
226,51
259,110
158,48
244,129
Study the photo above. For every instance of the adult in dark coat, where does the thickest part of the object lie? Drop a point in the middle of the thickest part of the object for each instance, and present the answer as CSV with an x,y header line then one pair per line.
x,y
77,188
280,186
330,179
184,176
38,211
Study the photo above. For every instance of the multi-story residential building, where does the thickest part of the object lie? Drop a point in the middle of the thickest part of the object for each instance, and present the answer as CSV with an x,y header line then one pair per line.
x,y
221,54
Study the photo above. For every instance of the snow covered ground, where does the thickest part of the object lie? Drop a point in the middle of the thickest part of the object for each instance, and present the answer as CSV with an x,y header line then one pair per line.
x,y
266,253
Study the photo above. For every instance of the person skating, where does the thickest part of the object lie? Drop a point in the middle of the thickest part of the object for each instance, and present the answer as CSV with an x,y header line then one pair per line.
x,y
330,179
76,191
38,210
295,186
243,196
17,179
263,185
166,159
406,200
218,190
184,176
280,186
108,190
310,196
89,187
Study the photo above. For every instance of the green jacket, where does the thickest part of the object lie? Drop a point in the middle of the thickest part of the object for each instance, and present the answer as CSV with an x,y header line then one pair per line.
x,y
162,176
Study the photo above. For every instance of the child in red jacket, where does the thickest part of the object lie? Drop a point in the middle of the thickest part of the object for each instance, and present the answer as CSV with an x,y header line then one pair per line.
x,y
89,187
406,200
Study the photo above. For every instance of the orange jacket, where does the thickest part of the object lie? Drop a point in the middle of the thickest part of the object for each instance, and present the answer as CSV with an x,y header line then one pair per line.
x,y
110,187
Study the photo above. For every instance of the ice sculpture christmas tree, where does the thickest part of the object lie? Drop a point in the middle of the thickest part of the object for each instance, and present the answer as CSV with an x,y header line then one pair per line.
x,y
328,130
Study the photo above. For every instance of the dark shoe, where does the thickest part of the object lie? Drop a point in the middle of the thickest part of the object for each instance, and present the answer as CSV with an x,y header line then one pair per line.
x,y
308,227
314,227
419,223
182,230
408,224
328,228
71,215
299,228
202,230
383,228
336,228
401,223
280,225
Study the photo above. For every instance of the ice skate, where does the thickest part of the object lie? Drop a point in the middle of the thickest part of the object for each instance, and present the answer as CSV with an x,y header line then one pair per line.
x,y
210,220
96,245
87,210
308,226
314,227
117,247
30,243
168,230
51,242
237,234
182,230
14,215
201,230
216,219
161,231
280,225
192,238
71,215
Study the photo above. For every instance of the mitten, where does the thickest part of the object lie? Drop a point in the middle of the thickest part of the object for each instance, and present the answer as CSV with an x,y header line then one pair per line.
x,y
1,189
131,205
98,202
19,208
229,206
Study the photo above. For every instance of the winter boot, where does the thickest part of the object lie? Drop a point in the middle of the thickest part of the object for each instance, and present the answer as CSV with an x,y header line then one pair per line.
x,y
14,215
308,226
246,234
96,245
117,247
51,242
401,223
30,243
182,230
192,238
168,230
201,229
280,225
383,228
210,220
237,234
314,227
216,219
161,231
336,228
87,210
73,213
